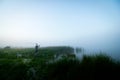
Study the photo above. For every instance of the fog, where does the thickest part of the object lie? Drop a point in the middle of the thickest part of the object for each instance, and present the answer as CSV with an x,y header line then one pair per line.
x,y
93,25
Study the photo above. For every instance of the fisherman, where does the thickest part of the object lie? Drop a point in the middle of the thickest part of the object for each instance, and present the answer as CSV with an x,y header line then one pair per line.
x,y
36,49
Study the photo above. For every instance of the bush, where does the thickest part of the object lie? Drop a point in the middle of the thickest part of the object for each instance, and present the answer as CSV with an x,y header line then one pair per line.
x,y
90,68
12,71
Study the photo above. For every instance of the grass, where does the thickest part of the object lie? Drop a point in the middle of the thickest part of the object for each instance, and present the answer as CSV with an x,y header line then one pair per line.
x,y
99,67
45,67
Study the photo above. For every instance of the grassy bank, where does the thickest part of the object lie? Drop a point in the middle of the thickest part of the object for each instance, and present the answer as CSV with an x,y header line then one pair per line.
x,y
49,66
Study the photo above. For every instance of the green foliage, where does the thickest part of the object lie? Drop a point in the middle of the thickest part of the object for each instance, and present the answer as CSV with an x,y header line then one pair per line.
x,y
89,68
46,67
12,70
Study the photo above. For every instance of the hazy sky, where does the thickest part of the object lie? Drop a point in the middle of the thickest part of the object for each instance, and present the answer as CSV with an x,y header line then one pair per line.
x,y
87,23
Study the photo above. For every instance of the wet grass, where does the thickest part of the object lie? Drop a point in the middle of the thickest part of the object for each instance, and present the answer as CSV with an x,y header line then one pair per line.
x,y
99,67
45,67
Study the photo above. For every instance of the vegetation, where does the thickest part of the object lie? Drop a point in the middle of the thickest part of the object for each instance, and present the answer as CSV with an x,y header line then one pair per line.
x,y
55,63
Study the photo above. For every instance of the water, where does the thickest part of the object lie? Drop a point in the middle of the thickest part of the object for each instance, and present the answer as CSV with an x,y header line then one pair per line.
x,y
113,53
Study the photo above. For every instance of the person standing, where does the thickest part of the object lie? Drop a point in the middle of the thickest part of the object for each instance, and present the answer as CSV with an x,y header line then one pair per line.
x,y
36,49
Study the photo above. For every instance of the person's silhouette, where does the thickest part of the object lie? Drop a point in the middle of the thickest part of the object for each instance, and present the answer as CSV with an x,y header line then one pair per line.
x,y
36,48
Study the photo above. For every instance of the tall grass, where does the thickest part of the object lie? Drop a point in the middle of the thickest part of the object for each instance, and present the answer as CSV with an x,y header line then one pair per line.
x,y
99,67
94,67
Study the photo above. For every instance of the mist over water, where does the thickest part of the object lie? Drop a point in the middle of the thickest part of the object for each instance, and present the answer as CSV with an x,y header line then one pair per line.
x,y
111,49
92,25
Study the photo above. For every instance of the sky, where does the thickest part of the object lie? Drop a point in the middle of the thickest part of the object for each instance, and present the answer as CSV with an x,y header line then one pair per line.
x,y
87,23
